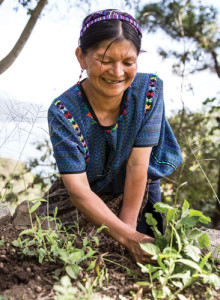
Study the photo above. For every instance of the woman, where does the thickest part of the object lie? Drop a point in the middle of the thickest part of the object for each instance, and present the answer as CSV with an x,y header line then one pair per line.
x,y
103,130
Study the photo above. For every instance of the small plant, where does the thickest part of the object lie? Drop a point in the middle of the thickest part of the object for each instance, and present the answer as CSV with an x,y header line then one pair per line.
x,y
82,291
65,290
178,253
58,245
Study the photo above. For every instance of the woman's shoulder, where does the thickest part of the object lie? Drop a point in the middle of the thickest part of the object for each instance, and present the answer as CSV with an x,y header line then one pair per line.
x,y
146,78
66,99
145,83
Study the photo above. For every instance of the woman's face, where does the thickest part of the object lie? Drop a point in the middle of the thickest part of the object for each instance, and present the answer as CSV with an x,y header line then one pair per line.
x,y
112,74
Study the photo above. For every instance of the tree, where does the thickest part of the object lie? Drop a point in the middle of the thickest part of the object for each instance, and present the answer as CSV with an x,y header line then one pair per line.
x,y
8,60
190,22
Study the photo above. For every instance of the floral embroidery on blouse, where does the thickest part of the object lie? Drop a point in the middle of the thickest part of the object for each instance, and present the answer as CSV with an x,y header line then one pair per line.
x,y
59,104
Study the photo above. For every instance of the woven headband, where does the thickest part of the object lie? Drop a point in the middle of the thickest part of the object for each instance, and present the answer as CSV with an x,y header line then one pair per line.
x,y
110,15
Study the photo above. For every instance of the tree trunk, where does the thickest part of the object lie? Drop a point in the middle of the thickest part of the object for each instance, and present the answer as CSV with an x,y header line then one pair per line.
x,y
1,1
6,62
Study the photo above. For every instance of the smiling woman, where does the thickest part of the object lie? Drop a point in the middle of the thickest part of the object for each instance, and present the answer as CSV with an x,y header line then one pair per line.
x,y
110,73
110,137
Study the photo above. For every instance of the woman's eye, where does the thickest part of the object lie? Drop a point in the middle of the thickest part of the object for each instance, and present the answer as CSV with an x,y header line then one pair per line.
x,y
105,62
128,64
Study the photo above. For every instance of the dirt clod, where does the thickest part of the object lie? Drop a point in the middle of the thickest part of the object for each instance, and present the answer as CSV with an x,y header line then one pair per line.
x,y
38,289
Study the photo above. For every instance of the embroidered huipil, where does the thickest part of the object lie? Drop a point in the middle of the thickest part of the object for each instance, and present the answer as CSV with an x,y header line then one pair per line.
x,y
82,144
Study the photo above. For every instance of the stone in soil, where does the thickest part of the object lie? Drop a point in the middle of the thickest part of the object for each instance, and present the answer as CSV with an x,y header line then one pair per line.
x,y
5,215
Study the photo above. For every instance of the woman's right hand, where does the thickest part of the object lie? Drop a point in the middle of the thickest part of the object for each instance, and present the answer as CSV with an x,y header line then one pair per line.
x,y
133,246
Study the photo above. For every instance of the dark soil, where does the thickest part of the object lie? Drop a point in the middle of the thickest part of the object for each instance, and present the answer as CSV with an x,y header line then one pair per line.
x,y
23,277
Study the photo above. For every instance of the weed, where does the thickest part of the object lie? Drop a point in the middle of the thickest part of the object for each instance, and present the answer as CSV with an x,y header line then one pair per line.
x,y
178,253
84,290
58,245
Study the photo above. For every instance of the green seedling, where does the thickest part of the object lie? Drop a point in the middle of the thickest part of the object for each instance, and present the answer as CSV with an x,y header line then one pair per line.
x,y
178,253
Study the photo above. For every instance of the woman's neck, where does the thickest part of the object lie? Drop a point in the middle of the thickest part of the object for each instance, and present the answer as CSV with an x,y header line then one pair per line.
x,y
106,108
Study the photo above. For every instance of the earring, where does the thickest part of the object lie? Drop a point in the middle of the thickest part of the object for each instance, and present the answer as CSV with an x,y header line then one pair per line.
x,y
80,76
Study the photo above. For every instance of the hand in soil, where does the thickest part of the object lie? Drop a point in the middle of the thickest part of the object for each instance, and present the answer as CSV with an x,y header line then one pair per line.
x,y
137,253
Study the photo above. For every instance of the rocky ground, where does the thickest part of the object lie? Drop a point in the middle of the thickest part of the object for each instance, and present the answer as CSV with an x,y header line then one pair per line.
x,y
23,277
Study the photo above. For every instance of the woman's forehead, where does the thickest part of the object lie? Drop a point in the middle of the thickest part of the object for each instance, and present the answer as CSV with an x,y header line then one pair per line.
x,y
110,47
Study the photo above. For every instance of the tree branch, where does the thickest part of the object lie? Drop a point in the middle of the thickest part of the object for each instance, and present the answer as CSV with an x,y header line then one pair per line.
x,y
217,67
6,62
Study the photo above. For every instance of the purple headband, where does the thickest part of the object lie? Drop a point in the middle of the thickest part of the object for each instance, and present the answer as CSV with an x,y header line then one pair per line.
x,y
110,15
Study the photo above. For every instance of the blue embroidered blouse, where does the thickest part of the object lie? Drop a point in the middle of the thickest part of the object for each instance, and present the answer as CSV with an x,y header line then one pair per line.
x,y
82,144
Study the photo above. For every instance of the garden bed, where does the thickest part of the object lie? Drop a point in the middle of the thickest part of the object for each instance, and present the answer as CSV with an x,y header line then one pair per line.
x,y
23,277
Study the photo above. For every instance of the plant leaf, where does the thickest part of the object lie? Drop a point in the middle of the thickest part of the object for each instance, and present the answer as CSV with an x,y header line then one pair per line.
x,y
212,279
193,252
150,219
143,283
91,265
95,238
101,228
150,248
16,243
177,284
76,256
194,234
185,209
72,270
65,281
190,263
196,213
189,221
204,241
27,232
204,259
35,207
42,254
184,276
170,253
162,207
157,274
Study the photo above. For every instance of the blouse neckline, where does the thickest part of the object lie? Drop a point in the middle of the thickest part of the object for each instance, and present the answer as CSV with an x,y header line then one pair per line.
x,y
92,115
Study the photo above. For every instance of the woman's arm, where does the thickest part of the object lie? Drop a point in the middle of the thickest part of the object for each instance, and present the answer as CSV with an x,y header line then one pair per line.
x,y
95,210
135,184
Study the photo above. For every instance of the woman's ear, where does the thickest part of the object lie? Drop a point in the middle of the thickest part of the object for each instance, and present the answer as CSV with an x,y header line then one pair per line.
x,y
81,58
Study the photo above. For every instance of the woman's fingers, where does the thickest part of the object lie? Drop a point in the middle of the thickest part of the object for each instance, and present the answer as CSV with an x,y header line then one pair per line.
x,y
138,253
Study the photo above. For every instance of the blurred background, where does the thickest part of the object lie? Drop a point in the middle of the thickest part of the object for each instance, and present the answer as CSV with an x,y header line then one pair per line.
x,y
181,40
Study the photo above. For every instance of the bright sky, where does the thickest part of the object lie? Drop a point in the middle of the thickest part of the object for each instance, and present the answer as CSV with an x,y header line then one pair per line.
x,y
47,65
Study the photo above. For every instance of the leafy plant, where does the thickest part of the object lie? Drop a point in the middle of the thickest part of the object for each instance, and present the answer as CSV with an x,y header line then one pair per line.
x,y
82,291
57,244
178,253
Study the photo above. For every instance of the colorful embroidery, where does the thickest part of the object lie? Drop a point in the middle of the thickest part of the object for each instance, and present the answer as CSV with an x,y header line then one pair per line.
x,y
67,114
150,92
124,113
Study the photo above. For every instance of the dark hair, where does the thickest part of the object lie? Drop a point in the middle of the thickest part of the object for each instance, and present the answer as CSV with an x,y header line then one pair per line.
x,y
106,30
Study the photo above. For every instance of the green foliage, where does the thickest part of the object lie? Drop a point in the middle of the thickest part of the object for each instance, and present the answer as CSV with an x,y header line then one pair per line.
x,y
189,21
199,138
58,245
180,260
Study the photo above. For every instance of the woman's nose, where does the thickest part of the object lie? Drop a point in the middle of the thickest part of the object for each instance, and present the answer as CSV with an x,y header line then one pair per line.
x,y
117,70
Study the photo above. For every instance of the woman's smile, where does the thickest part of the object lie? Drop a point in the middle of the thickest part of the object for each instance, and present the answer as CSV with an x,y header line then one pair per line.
x,y
110,81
